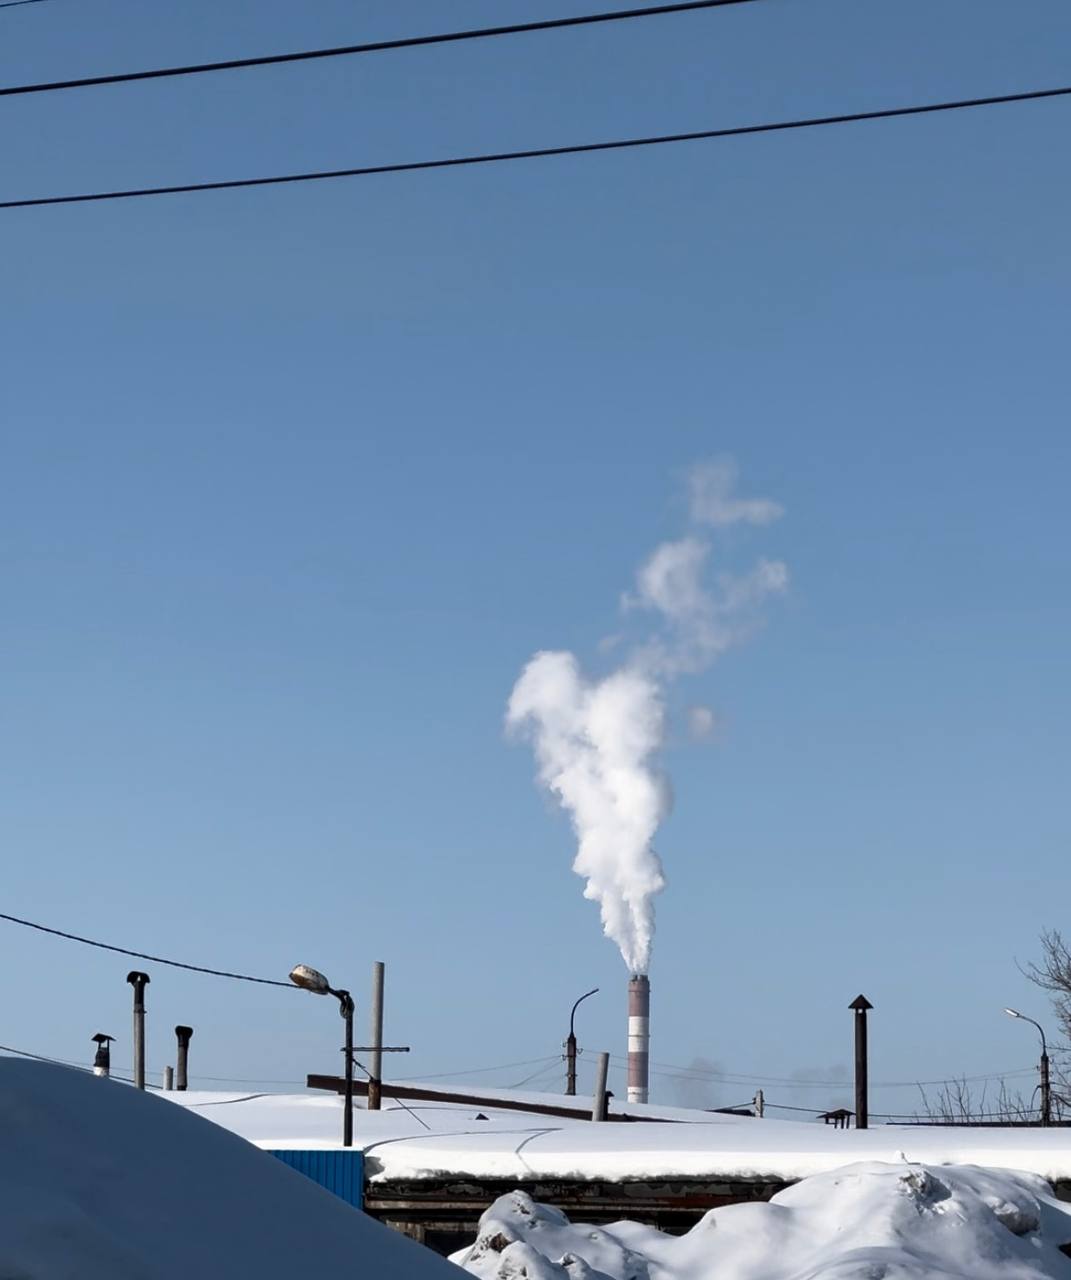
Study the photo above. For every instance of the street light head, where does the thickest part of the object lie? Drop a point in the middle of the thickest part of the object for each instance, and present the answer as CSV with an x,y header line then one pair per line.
x,y
308,979
1013,1013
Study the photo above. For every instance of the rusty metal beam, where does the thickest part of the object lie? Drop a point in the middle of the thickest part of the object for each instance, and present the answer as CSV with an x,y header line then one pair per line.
x,y
335,1084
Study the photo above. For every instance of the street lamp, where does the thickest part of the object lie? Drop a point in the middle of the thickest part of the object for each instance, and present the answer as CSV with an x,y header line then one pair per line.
x,y
570,1048
1046,1086
309,979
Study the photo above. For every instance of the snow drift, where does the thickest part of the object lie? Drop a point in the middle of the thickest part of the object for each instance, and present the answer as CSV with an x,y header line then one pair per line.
x,y
98,1180
864,1222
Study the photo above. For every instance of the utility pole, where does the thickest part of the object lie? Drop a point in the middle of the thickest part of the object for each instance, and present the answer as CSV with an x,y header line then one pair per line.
x,y
139,981
570,1048
602,1069
1046,1090
760,1103
1046,1082
375,1081
861,1004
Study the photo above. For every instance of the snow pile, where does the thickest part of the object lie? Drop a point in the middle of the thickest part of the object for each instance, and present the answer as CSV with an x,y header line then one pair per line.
x,y
101,1182
863,1222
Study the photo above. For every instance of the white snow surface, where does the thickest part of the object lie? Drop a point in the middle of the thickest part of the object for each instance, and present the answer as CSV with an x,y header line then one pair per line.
x,y
869,1221
685,1143
99,1181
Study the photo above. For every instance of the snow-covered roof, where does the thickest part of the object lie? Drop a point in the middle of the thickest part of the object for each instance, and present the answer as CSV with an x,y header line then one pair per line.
x,y
439,1139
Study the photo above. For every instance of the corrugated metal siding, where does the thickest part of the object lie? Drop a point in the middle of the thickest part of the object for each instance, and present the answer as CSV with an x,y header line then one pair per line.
x,y
340,1172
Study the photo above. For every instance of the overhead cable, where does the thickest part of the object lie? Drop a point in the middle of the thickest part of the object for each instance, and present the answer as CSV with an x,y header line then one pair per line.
x,y
374,46
142,955
673,1071
498,157
474,1071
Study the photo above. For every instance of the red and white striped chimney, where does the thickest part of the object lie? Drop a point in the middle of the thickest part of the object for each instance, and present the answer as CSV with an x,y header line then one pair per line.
x,y
639,1036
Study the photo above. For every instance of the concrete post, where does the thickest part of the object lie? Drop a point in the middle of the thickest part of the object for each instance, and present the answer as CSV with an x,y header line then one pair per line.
x,y
602,1070
375,1063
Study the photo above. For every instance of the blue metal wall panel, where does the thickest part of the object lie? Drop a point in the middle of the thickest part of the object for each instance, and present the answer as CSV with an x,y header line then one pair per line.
x,y
340,1172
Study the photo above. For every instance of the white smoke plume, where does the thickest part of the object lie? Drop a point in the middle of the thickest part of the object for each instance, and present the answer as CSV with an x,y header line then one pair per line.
x,y
596,740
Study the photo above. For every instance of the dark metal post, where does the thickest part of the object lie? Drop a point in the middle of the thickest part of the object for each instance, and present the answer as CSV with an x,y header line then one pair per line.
x,y
570,1048
182,1059
139,981
602,1069
102,1059
1046,1089
345,1002
375,1082
861,1004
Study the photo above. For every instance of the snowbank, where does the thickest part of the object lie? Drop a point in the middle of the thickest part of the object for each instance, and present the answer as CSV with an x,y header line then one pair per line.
x,y
101,1182
864,1222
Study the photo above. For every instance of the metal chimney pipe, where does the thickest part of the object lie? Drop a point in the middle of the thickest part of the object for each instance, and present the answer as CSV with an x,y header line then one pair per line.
x,y
639,1036
169,1079
139,981
182,1035
102,1060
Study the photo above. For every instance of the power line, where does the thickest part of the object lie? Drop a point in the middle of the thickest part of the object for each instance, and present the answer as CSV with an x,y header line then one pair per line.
x,y
537,1074
40,1057
141,955
14,4
474,1071
672,1071
375,46
63,1062
454,162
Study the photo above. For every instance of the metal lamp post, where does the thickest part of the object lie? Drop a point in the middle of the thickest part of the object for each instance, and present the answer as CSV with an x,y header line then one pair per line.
x,y
1046,1085
570,1047
309,979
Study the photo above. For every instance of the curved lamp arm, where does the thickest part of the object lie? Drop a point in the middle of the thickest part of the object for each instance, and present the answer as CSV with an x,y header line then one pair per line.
x,y
576,1006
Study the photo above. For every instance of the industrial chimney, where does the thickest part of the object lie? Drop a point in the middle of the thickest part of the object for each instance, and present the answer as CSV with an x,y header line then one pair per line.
x,y
639,1036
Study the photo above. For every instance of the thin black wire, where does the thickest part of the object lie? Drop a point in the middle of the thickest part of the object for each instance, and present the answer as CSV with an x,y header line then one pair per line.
x,y
375,46
142,955
504,1066
534,153
14,4
64,1062
393,1096
40,1057
542,1071
674,1071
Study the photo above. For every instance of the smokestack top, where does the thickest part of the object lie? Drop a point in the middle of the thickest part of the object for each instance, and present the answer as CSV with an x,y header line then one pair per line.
x,y
640,978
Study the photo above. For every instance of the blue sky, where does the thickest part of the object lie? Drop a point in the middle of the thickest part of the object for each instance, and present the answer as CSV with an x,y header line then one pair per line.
x,y
294,481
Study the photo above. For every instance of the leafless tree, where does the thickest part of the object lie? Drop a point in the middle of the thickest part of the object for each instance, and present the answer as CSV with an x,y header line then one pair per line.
x,y
1053,975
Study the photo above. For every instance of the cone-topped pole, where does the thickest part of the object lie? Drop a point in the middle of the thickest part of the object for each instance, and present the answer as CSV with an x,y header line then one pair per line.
x,y
861,1005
